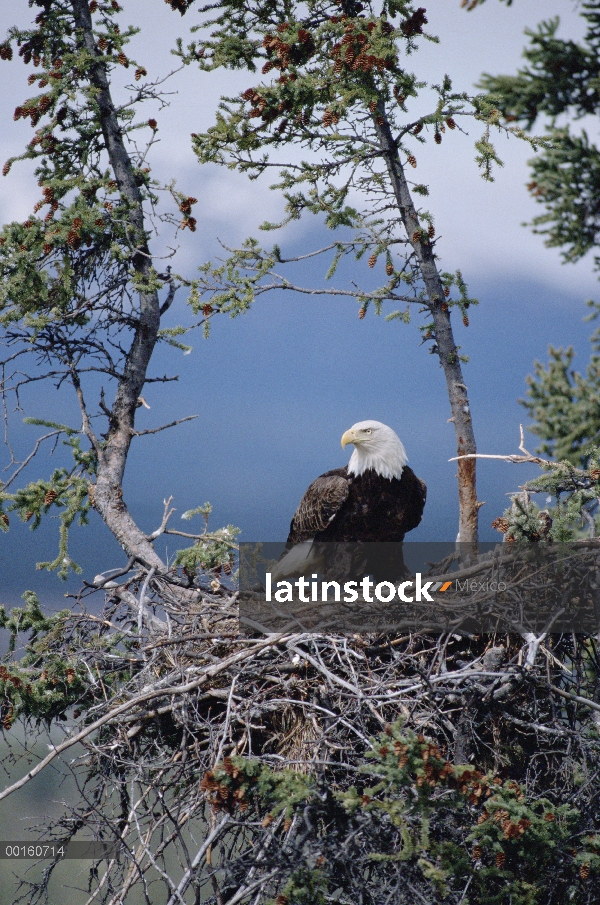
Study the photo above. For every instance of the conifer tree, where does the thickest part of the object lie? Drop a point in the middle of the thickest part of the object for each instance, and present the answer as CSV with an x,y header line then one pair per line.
x,y
336,84
560,82
81,301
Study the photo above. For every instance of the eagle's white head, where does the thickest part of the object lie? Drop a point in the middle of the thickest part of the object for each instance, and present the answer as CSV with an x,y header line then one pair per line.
x,y
376,446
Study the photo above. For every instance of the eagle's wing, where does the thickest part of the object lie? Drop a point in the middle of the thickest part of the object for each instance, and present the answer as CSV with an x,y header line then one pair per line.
x,y
415,490
319,505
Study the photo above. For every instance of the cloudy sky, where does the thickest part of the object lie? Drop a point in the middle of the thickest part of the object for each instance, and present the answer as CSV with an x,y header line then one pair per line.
x,y
276,388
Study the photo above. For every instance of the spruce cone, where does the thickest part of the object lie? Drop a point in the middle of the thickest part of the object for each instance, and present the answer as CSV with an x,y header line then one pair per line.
x,y
545,522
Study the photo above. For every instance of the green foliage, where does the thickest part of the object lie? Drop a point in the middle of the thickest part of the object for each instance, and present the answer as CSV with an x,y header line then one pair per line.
x,y
211,552
561,80
564,404
576,492
43,683
519,841
338,76
48,263
566,180
417,819
65,491
238,782
58,662
74,273
521,521
235,281
305,887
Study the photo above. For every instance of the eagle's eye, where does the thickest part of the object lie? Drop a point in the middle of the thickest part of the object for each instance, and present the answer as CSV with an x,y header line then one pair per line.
x,y
368,431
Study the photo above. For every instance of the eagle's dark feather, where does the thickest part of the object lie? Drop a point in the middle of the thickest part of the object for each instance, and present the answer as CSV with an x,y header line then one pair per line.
x,y
319,505
344,508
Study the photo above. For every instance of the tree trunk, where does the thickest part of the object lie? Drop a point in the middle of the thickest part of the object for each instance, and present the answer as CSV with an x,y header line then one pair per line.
x,y
447,351
112,455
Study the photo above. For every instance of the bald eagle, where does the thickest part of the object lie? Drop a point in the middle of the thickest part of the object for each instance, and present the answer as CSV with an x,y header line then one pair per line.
x,y
376,498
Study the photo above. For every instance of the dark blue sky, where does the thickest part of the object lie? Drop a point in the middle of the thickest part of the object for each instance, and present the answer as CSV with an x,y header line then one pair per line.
x,y
275,389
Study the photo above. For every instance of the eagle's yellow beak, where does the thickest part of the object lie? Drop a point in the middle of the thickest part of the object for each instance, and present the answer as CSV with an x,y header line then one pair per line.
x,y
348,437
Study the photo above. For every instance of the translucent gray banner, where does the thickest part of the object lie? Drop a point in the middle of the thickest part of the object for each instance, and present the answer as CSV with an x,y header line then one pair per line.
x,y
75,851
420,587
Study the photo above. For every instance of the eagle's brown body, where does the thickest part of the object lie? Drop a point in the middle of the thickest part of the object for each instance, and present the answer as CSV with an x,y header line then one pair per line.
x,y
345,508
